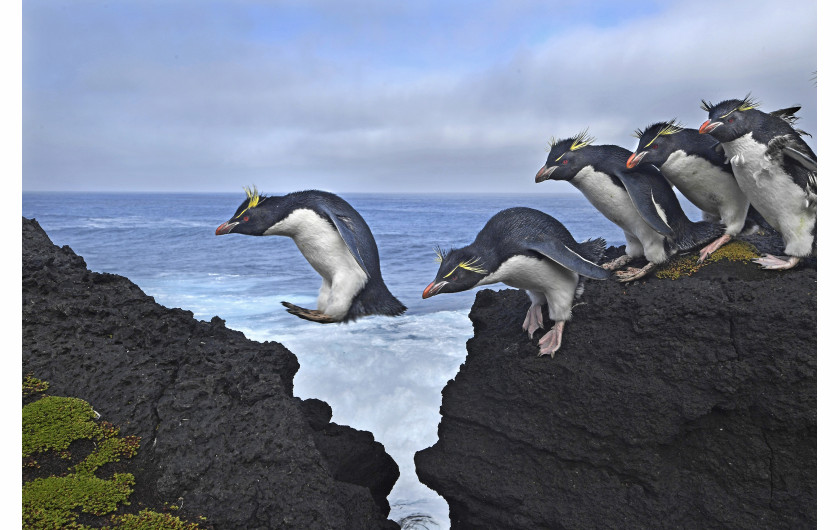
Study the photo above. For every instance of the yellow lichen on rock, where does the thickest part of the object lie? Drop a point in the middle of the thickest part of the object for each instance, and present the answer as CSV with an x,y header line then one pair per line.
x,y
687,265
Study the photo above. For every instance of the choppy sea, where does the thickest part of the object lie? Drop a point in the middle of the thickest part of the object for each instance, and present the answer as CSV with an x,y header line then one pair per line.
x,y
379,374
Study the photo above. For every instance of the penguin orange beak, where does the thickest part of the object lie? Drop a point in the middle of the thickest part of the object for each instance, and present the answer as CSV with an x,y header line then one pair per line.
x,y
544,173
225,228
709,126
635,159
433,289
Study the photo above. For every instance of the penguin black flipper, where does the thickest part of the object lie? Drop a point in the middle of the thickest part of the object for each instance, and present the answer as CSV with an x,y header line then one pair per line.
x,y
804,160
797,159
641,191
344,225
566,257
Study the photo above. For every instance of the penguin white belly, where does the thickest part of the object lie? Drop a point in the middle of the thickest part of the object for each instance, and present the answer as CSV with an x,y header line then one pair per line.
x,y
614,202
324,249
708,187
557,283
773,193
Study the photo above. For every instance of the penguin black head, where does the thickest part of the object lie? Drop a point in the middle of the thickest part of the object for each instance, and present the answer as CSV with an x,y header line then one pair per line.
x,y
730,119
564,158
656,143
252,217
460,270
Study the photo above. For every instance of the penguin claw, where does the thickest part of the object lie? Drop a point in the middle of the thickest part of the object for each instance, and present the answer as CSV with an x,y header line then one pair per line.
x,y
771,262
550,342
308,314
714,245
617,262
633,273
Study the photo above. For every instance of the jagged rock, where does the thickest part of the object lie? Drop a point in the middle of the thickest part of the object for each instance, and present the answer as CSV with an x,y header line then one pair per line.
x,y
686,403
221,433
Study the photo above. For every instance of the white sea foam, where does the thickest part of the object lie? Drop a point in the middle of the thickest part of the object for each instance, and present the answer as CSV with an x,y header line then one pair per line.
x,y
382,375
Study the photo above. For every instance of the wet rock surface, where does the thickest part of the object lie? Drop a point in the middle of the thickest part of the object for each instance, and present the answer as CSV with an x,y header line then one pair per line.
x,y
687,403
222,435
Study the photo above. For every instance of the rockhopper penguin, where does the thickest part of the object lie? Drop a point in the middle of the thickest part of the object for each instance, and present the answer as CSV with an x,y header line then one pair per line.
x,y
334,239
526,249
775,169
638,200
691,163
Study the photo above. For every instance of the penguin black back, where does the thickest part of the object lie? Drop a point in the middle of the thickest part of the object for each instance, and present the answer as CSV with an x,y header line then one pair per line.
x,y
514,230
659,140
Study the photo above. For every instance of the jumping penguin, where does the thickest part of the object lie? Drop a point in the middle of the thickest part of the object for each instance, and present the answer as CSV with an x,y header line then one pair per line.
x,y
691,163
334,239
640,201
526,249
775,169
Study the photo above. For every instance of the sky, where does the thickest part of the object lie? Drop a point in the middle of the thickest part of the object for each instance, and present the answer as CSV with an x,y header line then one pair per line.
x,y
380,96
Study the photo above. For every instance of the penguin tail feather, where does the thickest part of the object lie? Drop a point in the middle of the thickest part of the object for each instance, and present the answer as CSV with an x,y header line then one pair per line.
x,y
696,234
374,299
593,249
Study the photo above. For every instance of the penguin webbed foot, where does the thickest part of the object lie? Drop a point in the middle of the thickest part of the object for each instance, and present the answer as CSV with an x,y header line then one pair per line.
x,y
533,320
312,315
550,342
714,245
632,273
771,262
617,262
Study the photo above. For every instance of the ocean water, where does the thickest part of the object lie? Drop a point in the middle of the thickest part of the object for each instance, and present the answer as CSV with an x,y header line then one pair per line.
x,y
379,374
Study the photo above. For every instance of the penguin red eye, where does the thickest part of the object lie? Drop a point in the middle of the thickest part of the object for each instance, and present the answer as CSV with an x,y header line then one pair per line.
x,y
565,161
730,120
655,146
245,219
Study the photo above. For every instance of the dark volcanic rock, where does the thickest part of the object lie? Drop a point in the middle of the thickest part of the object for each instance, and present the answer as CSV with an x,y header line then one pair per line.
x,y
671,404
221,433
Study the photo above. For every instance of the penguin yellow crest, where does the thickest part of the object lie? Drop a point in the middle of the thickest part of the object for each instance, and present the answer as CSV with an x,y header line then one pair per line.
x,y
254,199
581,140
470,265
745,104
672,127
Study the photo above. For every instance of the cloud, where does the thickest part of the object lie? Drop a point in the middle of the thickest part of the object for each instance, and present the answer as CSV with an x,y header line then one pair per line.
x,y
204,97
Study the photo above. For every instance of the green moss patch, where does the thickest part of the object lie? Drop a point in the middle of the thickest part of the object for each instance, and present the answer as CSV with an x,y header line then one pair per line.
x,y
51,427
32,386
148,520
686,265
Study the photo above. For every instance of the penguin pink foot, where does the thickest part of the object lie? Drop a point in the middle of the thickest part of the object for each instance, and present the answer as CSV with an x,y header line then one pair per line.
x,y
714,245
633,273
617,262
550,342
771,262
533,320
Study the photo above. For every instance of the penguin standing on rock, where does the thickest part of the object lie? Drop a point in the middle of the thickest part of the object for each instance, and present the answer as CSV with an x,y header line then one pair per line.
x,y
334,239
640,201
526,249
690,162
775,169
